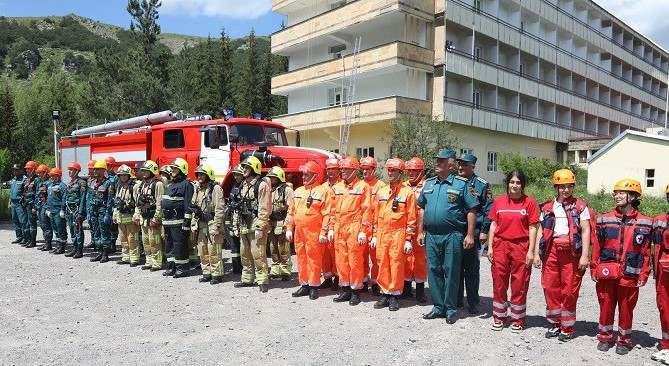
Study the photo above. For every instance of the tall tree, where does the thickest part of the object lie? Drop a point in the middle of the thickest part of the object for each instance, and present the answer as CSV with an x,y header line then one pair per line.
x,y
225,87
265,105
8,118
247,88
145,20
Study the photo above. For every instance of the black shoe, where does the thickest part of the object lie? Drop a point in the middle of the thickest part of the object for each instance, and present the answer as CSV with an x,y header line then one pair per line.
x,y
263,288
450,319
121,262
47,246
473,309
565,337
31,244
345,295
71,253
215,280
146,267
97,258
365,287
78,254
552,333
243,284
61,249
420,293
205,278
182,271
432,315
461,305
382,302
171,269
622,350
393,304
335,284
17,241
134,264
285,278
313,293
302,291
376,290
603,346
406,292
326,284
355,298
105,257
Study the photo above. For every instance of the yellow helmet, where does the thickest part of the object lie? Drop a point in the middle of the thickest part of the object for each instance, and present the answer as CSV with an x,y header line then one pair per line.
x,y
181,164
238,169
100,164
628,185
564,176
167,169
207,170
254,163
277,172
150,166
124,170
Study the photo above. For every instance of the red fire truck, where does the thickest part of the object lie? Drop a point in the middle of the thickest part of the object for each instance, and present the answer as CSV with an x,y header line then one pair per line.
x,y
164,136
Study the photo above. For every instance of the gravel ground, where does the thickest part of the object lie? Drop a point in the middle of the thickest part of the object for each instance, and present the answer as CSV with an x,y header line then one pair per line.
x,y
59,311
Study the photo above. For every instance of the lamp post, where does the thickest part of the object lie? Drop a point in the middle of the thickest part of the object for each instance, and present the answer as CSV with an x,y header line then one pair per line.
x,y
55,116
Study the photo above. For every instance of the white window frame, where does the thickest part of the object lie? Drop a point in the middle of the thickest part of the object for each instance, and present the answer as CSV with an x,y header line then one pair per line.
x,y
492,162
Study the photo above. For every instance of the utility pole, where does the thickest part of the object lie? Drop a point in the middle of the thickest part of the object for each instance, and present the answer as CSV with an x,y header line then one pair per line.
x,y
55,116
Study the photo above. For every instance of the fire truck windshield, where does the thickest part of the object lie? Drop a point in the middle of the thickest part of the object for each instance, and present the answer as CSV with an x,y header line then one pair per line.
x,y
253,134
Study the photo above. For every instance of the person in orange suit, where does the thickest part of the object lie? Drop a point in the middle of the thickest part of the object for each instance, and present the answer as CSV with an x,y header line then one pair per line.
x,y
307,222
415,268
394,231
350,226
331,280
368,165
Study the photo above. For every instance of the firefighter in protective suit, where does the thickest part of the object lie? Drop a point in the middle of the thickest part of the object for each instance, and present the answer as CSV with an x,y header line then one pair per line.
x,y
124,209
620,264
661,272
102,205
55,205
253,224
75,197
16,203
40,206
176,219
368,166
29,197
415,269
232,218
563,250
350,226
282,196
394,231
148,215
331,280
207,207
307,222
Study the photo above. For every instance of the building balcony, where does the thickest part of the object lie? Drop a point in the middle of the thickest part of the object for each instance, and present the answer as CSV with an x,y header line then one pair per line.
x,y
286,6
366,111
385,56
340,22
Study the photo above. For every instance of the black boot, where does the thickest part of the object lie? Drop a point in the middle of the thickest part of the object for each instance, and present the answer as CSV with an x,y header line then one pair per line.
x,y
182,271
263,288
31,244
302,291
420,293
344,295
335,284
326,284
243,284
393,304
61,248
17,241
105,256
205,278
146,266
134,264
72,252
215,280
78,254
171,269
24,242
236,265
355,298
406,292
313,293
121,261
376,290
382,302
97,258
47,246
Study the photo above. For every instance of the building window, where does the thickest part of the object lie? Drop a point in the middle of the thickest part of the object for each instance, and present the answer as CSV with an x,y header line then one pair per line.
x,y
477,5
173,139
336,96
582,156
477,53
520,109
650,178
476,99
362,152
465,150
492,161
521,68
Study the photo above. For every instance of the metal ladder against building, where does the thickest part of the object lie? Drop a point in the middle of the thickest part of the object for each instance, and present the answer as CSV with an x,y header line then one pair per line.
x,y
345,131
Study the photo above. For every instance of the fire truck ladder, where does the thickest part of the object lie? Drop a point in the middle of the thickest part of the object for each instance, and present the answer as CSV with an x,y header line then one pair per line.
x,y
345,130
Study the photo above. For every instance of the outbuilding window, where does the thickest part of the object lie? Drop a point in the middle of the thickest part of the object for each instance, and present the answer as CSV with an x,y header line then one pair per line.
x,y
650,178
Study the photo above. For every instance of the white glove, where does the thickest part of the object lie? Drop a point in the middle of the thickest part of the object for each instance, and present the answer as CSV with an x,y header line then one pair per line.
x,y
258,233
331,236
289,235
407,247
61,214
372,243
323,239
362,238
48,213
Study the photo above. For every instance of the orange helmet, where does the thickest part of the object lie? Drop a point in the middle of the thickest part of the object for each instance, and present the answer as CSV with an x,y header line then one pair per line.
x,y
394,164
55,172
332,163
41,169
564,176
31,165
415,163
312,167
349,163
91,164
74,166
368,162
110,160
628,185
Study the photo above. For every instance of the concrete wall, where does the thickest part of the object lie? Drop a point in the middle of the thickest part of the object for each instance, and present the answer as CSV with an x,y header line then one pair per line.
x,y
630,158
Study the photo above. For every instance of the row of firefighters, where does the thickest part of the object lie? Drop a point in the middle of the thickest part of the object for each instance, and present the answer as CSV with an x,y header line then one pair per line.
x,y
351,234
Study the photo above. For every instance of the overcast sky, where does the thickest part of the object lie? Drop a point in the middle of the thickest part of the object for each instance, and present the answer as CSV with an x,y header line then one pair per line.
x,y
650,17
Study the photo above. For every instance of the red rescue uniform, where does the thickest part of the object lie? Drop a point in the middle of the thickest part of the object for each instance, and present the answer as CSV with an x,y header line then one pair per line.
x,y
415,268
661,267
371,263
329,262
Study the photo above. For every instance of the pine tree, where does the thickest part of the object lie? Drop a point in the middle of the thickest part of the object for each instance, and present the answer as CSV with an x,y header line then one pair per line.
x,y
225,87
265,106
145,20
8,118
248,87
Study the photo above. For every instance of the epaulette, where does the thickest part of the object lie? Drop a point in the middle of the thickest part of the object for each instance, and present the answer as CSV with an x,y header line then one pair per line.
x,y
461,178
481,180
431,178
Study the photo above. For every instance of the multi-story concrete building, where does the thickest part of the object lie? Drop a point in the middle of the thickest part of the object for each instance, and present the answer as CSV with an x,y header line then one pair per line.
x,y
509,75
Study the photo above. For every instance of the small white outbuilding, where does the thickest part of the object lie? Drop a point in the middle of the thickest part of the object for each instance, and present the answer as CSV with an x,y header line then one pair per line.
x,y
643,156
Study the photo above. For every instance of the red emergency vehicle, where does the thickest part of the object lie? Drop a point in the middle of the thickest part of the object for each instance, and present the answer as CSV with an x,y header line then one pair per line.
x,y
163,137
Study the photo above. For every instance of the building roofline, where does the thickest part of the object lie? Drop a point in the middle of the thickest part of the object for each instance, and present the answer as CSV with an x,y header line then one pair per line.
x,y
618,138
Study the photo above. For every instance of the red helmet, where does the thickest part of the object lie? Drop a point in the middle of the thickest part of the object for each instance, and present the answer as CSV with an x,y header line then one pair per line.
x,y
91,164
332,163
41,169
31,165
110,160
74,166
394,164
349,163
415,164
55,172
368,162
312,167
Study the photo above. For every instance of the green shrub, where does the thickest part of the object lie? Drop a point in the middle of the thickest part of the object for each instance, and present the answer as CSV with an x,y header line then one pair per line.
x,y
4,205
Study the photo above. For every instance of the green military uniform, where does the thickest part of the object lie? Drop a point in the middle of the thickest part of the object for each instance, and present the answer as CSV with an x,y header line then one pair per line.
x,y
75,198
55,203
29,196
40,206
16,205
102,204
446,203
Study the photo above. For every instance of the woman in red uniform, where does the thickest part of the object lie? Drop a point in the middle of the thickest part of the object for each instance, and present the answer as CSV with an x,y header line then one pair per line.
x,y
661,239
513,232
620,264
